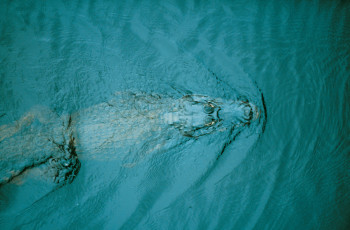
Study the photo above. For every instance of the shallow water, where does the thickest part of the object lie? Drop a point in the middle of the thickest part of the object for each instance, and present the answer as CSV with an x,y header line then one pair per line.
x,y
293,173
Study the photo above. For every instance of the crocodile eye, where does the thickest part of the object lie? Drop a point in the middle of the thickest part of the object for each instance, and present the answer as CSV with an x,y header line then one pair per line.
x,y
209,108
209,121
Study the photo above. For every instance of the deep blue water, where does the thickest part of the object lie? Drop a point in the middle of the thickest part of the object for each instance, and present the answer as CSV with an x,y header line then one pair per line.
x,y
291,171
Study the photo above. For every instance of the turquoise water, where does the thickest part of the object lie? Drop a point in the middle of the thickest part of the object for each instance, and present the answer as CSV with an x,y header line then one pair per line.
x,y
289,172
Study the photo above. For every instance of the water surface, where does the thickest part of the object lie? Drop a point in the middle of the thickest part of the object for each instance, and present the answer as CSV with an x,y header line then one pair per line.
x,y
294,174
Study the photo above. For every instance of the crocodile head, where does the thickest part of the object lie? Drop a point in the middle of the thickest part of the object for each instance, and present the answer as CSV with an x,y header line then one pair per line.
x,y
197,115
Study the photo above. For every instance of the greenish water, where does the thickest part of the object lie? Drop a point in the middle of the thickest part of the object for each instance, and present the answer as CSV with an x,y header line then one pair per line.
x,y
293,173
